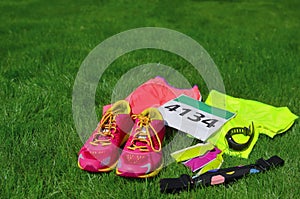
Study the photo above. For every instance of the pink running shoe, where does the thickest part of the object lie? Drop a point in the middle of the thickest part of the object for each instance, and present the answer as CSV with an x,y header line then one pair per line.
x,y
101,151
142,154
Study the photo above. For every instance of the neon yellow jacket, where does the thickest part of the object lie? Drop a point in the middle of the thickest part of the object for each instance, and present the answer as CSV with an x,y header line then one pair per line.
x,y
268,120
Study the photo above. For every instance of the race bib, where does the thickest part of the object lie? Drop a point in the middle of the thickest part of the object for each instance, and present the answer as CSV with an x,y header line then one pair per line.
x,y
194,117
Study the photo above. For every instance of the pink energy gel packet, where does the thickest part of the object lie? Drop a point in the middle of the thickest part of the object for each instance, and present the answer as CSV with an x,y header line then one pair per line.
x,y
198,162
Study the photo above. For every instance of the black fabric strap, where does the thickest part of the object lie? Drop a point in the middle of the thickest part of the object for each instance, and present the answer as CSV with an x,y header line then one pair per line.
x,y
265,165
174,185
220,176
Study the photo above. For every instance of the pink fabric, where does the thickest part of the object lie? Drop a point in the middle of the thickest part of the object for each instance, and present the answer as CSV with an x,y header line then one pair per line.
x,y
154,93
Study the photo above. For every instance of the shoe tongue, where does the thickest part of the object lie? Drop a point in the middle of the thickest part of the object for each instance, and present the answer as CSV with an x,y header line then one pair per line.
x,y
152,113
105,130
143,134
120,108
116,111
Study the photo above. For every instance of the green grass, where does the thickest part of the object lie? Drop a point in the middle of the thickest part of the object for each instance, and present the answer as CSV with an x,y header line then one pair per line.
x,y
255,45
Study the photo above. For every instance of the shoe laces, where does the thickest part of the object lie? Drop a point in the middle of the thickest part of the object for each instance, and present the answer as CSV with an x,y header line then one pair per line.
x,y
106,130
142,133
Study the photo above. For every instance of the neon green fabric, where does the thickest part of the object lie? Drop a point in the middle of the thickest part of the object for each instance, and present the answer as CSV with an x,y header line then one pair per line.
x,y
212,165
268,120
191,152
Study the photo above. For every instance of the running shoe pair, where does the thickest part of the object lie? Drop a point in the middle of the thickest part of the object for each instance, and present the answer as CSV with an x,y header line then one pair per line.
x,y
142,134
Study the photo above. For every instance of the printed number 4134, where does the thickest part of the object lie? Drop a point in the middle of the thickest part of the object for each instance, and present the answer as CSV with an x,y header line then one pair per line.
x,y
193,116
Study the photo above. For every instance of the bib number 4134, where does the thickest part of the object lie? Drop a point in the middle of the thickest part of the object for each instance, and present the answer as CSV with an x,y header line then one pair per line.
x,y
192,115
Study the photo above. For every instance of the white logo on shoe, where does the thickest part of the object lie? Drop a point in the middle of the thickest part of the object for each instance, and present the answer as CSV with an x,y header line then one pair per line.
x,y
148,166
81,157
105,161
